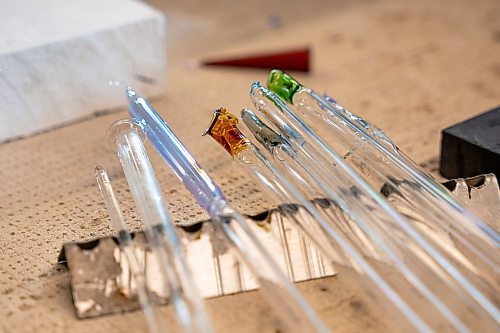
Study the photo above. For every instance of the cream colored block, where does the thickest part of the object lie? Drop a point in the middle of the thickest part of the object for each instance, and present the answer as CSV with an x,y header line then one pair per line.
x,y
64,60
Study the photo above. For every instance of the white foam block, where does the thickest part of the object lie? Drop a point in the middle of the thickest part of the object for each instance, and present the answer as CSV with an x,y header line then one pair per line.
x,y
63,60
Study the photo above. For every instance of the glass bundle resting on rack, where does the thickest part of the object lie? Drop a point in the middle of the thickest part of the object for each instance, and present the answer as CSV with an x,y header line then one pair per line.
x,y
443,271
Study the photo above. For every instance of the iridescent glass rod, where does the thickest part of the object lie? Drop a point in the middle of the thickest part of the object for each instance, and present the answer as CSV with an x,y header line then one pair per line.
x,y
125,137
371,143
117,222
289,305
334,176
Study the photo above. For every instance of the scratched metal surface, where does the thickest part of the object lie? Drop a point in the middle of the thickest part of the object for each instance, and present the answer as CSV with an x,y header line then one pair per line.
x,y
101,282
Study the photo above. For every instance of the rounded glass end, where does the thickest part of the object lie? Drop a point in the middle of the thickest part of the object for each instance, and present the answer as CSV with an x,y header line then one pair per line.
x,y
120,127
282,84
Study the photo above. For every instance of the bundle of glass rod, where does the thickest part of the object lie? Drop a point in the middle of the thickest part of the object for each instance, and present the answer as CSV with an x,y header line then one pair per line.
x,y
278,291
313,219
369,151
126,138
349,238
457,281
367,146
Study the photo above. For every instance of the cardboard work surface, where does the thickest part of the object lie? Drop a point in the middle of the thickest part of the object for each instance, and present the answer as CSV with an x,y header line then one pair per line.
x,y
412,68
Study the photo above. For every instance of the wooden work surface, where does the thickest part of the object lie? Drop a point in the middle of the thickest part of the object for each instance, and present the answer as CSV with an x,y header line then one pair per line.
x,y
412,68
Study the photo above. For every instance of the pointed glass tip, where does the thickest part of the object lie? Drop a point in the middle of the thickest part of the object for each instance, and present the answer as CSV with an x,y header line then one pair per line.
x,y
282,84
213,122
130,93
99,170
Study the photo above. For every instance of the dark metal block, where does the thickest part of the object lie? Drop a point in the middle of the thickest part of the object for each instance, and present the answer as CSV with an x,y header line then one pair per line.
x,y
472,147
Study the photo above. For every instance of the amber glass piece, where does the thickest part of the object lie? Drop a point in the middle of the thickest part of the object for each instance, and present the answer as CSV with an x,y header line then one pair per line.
x,y
224,130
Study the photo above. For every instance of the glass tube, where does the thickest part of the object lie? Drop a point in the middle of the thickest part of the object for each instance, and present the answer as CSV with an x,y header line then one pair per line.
x,y
162,237
117,222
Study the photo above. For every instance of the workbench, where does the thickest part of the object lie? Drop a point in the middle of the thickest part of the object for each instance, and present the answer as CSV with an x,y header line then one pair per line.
x,y
411,67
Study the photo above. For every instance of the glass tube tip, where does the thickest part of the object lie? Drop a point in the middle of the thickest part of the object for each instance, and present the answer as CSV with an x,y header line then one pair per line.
x,y
223,129
255,86
258,89
120,127
282,84
263,133
131,94
215,117
101,172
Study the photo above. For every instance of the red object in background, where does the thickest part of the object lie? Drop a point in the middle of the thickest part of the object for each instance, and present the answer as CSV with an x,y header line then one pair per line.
x,y
293,60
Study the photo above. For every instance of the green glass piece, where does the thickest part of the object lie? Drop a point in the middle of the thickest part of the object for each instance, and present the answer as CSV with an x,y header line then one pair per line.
x,y
282,84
